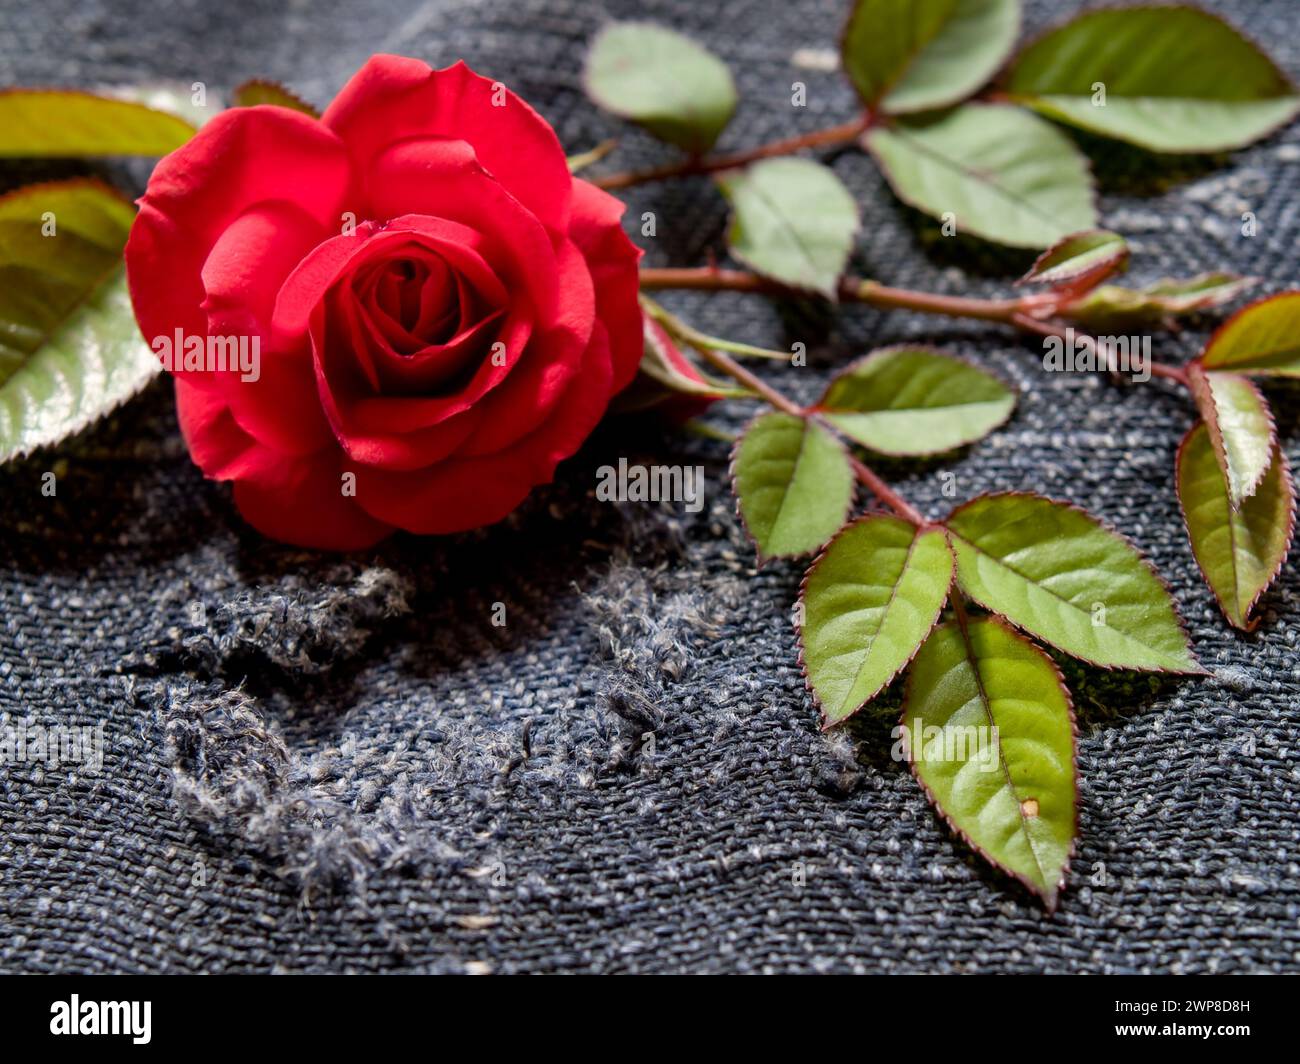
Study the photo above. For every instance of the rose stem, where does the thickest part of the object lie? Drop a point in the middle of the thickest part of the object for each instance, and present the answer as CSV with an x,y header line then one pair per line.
x,y
818,138
872,293
724,363
1051,328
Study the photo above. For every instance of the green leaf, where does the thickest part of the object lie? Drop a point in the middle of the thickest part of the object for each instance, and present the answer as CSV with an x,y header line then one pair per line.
x,y
679,91
171,97
1239,549
69,347
998,171
65,123
1114,308
1240,425
1262,339
794,484
1176,79
869,600
257,92
915,401
1011,794
1059,574
1081,259
918,55
793,221
668,376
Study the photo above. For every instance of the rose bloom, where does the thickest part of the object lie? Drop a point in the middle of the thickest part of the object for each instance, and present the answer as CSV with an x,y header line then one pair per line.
x,y
442,311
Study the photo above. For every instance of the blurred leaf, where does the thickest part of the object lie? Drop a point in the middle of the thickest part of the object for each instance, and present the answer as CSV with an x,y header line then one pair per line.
x,y
578,163
915,401
1080,260
997,171
1261,339
171,97
70,350
66,123
256,92
918,55
1059,574
1176,79
991,736
1239,549
793,221
1111,308
869,601
793,482
678,90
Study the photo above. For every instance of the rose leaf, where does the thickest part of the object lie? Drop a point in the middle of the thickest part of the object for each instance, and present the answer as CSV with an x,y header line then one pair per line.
x,y
64,123
1166,78
793,221
1262,339
1240,549
1061,575
1240,426
918,55
915,401
793,482
995,171
259,91
70,350
990,734
676,89
869,601
1080,260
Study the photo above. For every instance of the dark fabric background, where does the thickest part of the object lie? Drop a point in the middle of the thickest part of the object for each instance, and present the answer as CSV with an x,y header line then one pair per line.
x,y
326,763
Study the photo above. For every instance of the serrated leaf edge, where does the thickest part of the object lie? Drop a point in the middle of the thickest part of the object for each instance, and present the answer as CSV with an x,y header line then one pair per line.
x,y
267,83
1063,275
1198,376
1065,21
763,559
1050,899
819,407
874,106
826,723
1288,293
1142,558
1248,625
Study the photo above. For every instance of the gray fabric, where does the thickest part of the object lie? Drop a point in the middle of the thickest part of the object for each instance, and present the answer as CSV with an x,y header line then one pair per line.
x,y
319,763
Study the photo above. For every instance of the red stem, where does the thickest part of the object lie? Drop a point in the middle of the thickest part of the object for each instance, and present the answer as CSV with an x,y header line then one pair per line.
x,y
818,138
871,293
865,475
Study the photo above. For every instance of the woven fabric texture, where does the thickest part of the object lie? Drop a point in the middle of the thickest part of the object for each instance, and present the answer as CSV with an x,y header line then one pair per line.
x,y
322,763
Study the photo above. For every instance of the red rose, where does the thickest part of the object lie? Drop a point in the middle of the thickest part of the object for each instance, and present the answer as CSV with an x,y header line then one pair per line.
x,y
442,311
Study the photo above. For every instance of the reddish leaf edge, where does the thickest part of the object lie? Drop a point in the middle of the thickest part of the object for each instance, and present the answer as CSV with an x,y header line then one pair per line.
x,y
819,407
761,558
826,722
1249,625
1145,561
1050,897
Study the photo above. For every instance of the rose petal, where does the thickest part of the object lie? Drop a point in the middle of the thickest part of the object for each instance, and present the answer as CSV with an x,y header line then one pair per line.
x,y
243,157
392,98
614,261
466,493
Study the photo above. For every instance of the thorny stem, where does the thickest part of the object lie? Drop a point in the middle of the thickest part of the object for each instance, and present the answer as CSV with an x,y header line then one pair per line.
x,y
1021,313
818,138
725,364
